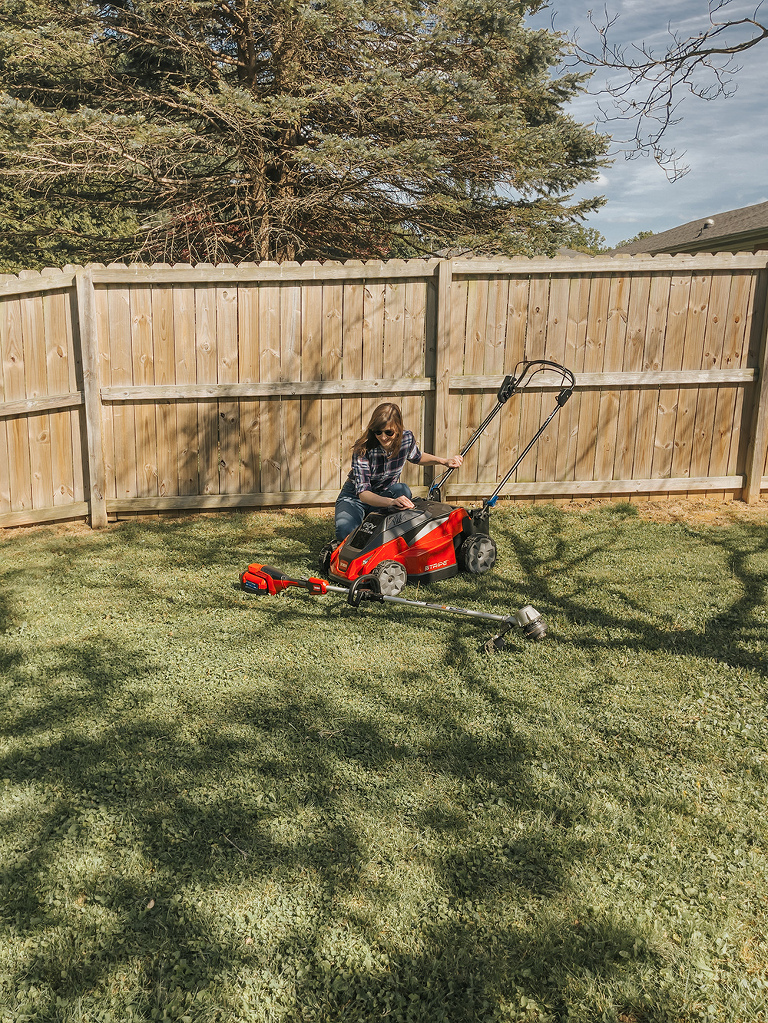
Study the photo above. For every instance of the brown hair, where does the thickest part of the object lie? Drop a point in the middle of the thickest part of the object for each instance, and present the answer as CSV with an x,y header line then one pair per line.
x,y
382,416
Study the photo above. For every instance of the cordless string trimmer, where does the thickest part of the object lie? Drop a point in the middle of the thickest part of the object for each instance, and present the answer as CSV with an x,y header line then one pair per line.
x,y
263,579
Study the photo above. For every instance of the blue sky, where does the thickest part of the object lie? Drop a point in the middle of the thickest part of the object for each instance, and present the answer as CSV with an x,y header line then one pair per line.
x,y
725,141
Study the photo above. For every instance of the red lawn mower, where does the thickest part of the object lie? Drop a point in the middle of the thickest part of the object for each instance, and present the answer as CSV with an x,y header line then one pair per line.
x,y
432,540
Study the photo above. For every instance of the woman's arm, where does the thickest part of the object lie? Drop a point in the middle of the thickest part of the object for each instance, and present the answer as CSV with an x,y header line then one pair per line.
x,y
451,463
379,501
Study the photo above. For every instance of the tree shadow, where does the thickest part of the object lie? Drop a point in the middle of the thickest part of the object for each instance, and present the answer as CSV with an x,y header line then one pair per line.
x,y
241,860
725,633
200,813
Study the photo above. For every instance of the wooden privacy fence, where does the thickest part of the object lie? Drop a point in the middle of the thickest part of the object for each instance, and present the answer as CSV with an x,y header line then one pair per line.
x,y
129,389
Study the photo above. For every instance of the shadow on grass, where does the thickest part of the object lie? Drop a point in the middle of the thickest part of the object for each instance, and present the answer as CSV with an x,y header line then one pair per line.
x,y
569,582
293,856
189,872
545,554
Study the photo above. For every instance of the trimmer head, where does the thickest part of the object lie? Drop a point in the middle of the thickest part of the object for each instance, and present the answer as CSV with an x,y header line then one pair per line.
x,y
528,619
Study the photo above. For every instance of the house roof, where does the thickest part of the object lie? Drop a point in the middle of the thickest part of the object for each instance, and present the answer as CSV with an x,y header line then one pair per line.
x,y
745,229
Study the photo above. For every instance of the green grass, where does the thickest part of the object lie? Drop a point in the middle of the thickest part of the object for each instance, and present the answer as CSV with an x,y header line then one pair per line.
x,y
218,807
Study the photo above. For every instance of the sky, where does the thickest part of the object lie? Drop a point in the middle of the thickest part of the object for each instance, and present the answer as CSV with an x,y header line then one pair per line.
x,y
725,141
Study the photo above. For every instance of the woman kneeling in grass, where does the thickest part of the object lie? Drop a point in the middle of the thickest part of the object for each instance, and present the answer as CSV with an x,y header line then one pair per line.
x,y
378,457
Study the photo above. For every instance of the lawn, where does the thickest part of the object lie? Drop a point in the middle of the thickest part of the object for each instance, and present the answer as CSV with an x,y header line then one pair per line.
x,y
221,807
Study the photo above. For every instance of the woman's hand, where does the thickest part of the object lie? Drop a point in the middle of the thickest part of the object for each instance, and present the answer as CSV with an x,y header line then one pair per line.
x,y
452,463
402,502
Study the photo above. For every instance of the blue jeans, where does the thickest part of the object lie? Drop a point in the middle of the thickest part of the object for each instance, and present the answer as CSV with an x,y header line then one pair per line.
x,y
350,510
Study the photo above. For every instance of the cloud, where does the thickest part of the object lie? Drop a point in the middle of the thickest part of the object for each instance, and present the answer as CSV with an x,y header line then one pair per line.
x,y
725,141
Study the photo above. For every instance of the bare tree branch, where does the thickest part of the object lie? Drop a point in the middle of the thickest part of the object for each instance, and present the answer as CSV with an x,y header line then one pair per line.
x,y
652,82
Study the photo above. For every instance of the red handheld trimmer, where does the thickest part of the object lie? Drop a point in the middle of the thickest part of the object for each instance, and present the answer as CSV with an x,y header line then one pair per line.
x,y
263,579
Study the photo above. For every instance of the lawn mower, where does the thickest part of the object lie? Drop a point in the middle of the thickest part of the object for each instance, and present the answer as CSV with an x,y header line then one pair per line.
x,y
264,579
433,540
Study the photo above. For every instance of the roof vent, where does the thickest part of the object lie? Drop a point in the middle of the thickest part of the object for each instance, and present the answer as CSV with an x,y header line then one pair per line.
x,y
709,222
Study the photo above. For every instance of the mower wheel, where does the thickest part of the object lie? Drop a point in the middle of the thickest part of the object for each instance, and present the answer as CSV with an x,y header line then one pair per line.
x,y
392,577
477,554
324,558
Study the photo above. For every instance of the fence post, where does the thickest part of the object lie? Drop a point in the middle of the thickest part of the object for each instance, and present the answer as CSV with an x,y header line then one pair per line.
x,y
758,434
442,353
86,315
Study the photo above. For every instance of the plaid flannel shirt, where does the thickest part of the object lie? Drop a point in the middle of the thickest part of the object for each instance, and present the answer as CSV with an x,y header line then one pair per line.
x,y
374,471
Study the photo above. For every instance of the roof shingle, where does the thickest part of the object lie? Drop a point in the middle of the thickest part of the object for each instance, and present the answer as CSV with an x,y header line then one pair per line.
x,y
745,229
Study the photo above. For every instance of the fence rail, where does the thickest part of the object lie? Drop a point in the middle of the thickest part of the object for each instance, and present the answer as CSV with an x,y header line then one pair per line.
x,y
130,389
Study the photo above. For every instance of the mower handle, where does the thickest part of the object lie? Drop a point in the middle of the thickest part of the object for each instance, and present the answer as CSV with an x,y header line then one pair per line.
x,y
512,383
515,381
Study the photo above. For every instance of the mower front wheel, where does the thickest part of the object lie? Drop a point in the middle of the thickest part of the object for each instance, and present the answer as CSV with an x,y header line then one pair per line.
x,y
477,554
392,578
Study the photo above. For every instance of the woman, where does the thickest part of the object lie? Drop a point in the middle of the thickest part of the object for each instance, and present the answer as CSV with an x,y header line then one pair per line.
x,y
378,457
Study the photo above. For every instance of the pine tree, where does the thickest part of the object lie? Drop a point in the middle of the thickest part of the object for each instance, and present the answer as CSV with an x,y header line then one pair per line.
x,y
183,130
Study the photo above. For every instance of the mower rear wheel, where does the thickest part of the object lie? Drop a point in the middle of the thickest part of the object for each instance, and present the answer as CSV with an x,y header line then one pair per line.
x,y
477,554
392,577
324,558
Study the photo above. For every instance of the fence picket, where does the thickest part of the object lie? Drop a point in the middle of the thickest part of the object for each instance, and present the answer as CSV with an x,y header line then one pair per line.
x,y
143,359
594,353
412,362
608,407
311,369
632,361
228,367
166,420
489,446
187,446
207,361
352,367
101,312
249,371
121,372
36,385
332,366
672,359
453,362
727,425
714,335
573,358
20,483
57,374
474,356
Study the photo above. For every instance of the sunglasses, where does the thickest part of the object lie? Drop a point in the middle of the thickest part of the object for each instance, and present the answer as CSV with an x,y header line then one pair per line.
x,y
385,433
